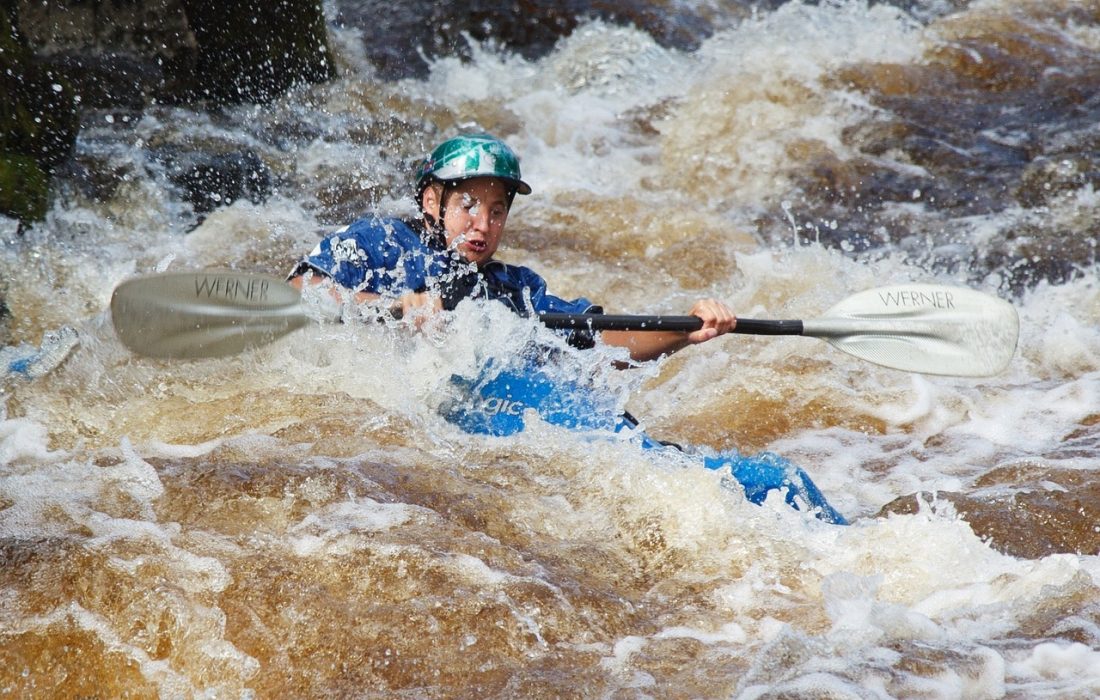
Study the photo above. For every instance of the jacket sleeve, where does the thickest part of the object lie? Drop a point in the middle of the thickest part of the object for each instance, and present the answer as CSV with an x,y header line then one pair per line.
x,y
376,256
543,300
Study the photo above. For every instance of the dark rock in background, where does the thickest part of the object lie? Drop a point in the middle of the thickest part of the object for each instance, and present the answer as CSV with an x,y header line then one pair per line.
x,y
59,57
210,180
254,51
38,124
398,37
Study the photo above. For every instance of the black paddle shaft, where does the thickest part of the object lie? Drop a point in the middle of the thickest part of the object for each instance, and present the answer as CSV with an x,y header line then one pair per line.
x,y
624,322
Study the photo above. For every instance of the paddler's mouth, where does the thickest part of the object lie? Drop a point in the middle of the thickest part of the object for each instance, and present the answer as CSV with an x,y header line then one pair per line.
x,y
475,246
473,249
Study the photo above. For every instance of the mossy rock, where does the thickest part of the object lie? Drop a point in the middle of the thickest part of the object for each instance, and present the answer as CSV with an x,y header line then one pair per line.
x,y
38,126
38,115
24,188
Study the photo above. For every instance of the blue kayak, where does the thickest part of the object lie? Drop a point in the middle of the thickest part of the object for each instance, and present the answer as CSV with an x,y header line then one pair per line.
x,y
494,403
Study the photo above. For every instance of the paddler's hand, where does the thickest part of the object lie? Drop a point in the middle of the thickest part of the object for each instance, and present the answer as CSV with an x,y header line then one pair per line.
x,y
717,320
419,307
650,345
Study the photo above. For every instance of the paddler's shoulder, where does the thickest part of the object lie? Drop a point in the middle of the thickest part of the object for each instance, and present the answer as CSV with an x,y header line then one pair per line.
x,y
375,227
514,273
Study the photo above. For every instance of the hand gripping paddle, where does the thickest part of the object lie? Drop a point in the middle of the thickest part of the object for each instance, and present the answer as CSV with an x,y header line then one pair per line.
x,y
926,328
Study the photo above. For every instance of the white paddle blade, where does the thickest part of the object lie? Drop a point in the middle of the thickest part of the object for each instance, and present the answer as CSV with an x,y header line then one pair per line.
x,y
924,328
191,315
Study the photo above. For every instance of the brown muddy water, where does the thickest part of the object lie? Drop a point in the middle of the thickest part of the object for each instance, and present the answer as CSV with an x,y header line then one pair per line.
x,y
299,521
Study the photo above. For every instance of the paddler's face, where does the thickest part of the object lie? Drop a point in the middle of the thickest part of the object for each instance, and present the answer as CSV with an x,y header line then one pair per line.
x,y
474,216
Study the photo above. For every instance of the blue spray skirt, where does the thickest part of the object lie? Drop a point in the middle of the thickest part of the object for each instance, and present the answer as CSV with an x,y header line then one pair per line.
x,y
495,402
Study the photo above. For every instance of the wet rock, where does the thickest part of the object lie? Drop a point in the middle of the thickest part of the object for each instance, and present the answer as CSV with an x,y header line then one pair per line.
x,y
110,79
114,54
24,188
128,54
60,57
211,180
1048,177
1027,511
400,38
254,51
94,178
38,125
142,28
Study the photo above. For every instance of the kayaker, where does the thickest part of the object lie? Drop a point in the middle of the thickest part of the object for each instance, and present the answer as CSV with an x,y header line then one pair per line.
x,y
464,189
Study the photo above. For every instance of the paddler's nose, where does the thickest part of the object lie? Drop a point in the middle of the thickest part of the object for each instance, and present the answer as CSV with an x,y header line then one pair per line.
x,y
480,218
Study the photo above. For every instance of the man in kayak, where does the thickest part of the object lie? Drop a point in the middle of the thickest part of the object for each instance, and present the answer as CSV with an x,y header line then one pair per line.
x,y
464,190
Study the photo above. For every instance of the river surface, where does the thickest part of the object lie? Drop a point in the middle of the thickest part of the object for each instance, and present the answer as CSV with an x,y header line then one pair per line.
x,y
299,521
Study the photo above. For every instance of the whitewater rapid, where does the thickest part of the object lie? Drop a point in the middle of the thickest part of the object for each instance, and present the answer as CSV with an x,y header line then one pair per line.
x,y
298,520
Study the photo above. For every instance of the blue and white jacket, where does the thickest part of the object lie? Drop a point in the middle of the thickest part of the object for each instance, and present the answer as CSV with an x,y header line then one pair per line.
x,y
390,257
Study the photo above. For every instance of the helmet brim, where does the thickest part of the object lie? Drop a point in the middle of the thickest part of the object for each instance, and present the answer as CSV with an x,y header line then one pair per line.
x,y
517,186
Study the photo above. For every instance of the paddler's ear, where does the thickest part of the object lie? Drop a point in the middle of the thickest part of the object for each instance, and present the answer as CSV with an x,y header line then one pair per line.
x,y
429,200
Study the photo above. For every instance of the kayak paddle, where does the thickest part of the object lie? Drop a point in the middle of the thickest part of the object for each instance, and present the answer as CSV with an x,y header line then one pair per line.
x,y
190,315
926,328
931,329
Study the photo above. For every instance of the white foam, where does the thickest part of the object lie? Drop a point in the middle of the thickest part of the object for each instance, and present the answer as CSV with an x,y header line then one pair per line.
x,y
860,618
340,528
362,514
1059,661
163,450
730,633
25,442
624,648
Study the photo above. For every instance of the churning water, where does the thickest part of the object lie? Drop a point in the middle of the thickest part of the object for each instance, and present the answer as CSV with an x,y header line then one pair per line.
x,y
298,521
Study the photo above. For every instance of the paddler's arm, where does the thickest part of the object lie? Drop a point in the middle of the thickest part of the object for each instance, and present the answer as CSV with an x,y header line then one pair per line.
x,y
416,305
650,345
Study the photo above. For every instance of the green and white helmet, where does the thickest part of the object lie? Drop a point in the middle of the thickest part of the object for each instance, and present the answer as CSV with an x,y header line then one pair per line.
x,y
471,155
